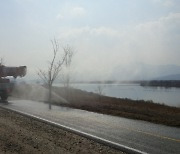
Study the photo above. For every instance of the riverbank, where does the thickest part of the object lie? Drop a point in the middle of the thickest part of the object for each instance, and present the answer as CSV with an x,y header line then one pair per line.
x,y
161,83
134,109
75,98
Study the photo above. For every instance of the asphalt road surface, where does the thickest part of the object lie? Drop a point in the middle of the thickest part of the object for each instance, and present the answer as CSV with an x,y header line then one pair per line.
x,y
140,135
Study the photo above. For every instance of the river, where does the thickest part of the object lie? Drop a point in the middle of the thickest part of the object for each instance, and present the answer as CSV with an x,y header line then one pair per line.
x,y
168,96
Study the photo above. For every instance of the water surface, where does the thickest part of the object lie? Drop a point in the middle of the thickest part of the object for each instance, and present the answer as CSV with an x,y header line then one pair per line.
x,y
168,96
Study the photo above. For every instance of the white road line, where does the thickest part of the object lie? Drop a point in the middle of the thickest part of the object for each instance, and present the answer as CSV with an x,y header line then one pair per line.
x,y
84,134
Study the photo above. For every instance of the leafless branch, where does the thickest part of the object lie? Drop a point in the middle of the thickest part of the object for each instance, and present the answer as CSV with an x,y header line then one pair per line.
x,y
55,65
43,76
69,51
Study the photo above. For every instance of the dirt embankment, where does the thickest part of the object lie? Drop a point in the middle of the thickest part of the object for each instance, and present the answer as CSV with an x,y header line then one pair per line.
x,y
142,110
134,109
24,135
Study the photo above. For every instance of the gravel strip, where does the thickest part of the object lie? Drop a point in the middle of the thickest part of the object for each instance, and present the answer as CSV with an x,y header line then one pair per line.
x,y
19,134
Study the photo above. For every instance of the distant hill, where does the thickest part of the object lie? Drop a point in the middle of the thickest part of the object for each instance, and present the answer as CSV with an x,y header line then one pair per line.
x,y
169,77
140,71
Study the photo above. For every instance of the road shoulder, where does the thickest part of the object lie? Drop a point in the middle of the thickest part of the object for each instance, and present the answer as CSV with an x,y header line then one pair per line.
x,y
21,134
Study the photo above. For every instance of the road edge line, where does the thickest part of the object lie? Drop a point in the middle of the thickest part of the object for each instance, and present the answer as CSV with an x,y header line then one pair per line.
x,y
114,145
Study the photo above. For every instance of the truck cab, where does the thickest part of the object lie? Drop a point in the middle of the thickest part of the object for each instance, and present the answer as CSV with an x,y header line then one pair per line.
x,y
6,86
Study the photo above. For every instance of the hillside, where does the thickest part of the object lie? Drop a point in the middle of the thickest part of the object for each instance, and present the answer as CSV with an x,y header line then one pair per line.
x,y
169,77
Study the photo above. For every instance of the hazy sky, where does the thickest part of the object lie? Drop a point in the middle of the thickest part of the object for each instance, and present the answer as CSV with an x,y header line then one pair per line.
x,y
105,33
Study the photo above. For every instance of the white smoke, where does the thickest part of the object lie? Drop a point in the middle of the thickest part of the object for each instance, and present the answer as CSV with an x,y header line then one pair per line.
x,y
36,92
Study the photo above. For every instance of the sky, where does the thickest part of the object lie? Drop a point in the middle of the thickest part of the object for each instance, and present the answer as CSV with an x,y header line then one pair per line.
x,y
106,35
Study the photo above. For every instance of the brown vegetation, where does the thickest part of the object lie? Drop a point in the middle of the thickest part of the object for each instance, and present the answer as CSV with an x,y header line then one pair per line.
x,y
140,109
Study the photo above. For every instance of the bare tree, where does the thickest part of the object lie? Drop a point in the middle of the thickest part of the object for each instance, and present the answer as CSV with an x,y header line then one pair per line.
x,y
99,90
66,76
1,61
54,68
68,60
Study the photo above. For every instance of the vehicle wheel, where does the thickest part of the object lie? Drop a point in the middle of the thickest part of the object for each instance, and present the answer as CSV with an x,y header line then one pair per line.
x,y
4,96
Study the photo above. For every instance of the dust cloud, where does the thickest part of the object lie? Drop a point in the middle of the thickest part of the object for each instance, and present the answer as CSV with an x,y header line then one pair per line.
x,y
36,93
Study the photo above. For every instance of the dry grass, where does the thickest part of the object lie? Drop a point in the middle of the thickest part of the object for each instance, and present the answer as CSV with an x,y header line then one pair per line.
x,y
141,110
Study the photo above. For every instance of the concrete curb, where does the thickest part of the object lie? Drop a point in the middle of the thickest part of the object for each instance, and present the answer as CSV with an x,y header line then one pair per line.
x,y
114,145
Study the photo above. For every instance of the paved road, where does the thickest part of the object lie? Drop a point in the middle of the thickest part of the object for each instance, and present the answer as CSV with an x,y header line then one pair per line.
x,y
140,135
